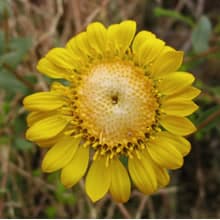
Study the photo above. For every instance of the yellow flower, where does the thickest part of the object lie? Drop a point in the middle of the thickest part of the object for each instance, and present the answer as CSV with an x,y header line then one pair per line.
x,y
125,104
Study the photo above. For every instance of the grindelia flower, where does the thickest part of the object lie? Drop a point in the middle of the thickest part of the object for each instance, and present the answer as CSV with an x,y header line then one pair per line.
x,y
125,105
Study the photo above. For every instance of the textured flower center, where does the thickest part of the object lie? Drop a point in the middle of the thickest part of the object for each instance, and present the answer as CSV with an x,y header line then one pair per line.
x,y
117,103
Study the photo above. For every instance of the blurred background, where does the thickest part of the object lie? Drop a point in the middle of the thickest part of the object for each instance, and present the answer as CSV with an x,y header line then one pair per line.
x,y
29,28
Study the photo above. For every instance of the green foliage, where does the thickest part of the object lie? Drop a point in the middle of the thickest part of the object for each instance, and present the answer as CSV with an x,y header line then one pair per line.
x,y
12,53
201,35
215,90
17,51
202,115
50,212
10,83
160,12
22,144
36,172
124,160
63,195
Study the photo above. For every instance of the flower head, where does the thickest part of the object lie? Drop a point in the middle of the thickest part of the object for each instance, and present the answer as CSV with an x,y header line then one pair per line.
x,y
124,99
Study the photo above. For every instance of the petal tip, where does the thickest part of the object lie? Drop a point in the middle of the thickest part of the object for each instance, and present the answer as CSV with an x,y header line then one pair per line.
x,y
93,197
28,134
45,167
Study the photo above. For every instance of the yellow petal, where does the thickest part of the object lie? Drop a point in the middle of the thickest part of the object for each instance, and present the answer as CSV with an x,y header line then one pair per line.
x,y
143,174
111,32
164,154
181,144
61,58
111,37
175,82
46,128
97,36
76,168
140,39
149,51
79,46
162,174
36,116
98,179
163,177
166,49
60,154
43,101
178,107
166,63
120,187
187,93
49,142
48,68
125,34
73,48
177,125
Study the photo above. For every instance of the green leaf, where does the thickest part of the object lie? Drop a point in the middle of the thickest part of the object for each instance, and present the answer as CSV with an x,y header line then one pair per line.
x,y
18,50
201,35
124,160
51,212
19,124
53,177
13,58
22,44
23,145
63,195
36,172
10,83
173,14
215,90
202,116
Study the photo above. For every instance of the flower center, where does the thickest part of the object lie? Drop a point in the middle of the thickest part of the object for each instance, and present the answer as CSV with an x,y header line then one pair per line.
x,y
116,104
